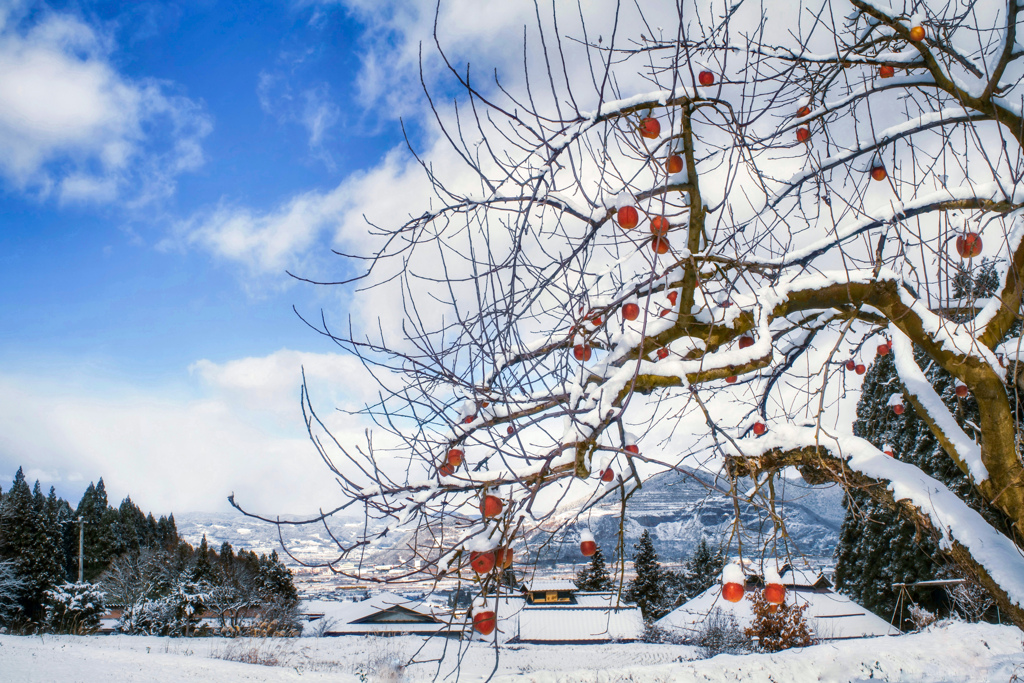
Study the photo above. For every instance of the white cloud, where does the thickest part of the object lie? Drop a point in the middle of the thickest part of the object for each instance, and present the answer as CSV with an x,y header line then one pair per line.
x,y
297,234
239,431
72,126
311,107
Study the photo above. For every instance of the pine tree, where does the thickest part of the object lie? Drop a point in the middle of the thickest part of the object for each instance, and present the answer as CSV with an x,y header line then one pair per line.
x,y
27,539
647,590
99,544
702,570
594,576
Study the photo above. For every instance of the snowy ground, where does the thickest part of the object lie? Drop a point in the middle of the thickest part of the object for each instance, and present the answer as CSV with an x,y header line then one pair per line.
x,y
956,652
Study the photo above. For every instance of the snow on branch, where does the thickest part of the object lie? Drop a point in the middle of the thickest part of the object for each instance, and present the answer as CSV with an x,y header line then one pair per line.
x,y
936,413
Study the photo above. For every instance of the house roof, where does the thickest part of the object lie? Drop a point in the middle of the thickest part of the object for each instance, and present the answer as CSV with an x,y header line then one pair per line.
x,y
832,616
384,613
552,585
573,625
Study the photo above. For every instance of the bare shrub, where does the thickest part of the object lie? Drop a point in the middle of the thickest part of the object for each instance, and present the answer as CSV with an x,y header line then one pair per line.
x,y
719,634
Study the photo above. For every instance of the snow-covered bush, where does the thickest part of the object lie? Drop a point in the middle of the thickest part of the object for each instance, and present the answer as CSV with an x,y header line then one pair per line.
x,y
74,608
720,633
11,586
146,617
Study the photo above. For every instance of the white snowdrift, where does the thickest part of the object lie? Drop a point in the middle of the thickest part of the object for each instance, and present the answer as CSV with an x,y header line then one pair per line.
x,y
955,652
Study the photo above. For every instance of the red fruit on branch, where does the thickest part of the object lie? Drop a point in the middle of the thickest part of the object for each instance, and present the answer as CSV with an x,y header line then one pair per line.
x,y
673,296
775,593
878,172
481,562
510,430
961,390
627,217
898,409
917,34
491,506
760,428
674,164
445,470
582,352
803,111
632,448
803,134
660,245
631,311
883,349
664,312
662,352
706,78
886,72
455,457
659,226
746,341
503,557
968,245
731,379
469,418
650,128
607,475
484,622
596,320
733,592
588,548
850,365
861,368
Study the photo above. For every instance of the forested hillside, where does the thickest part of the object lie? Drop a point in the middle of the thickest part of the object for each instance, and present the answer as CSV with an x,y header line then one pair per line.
x,y
129,559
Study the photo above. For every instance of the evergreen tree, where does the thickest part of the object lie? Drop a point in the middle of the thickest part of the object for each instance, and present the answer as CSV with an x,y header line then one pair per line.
x,y
701,571
99,547
876,547
594,576
647,590
25,538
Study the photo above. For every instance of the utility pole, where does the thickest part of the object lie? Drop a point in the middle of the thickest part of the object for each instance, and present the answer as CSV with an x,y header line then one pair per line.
x,y
81,541
81,544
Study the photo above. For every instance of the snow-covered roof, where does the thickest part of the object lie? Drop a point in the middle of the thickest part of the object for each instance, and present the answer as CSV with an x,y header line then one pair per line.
x,y
384,613
552,585
573,624
832,616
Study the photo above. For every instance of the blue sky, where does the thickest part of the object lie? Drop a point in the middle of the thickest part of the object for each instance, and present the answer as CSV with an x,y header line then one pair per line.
x,y
154,153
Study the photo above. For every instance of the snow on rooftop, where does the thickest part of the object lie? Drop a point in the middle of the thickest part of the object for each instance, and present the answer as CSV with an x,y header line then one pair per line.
x,y
832,616
552,585
566,624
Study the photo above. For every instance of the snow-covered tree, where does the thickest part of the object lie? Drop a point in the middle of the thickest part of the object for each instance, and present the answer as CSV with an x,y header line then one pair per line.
x,y
594,576
647,589
672,242
29,540
74,608
11,586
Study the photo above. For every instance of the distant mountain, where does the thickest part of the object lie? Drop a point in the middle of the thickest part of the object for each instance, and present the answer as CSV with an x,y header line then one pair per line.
x,y
677,507
306,542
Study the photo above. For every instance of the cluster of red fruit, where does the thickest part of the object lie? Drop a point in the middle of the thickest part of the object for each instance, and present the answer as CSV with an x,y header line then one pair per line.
x,y
484,562
627,216
774,593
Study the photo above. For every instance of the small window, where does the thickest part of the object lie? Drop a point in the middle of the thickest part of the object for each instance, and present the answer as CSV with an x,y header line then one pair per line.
x,y
551,596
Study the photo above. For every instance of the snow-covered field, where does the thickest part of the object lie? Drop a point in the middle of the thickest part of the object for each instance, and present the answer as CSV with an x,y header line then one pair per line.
x,y
953,652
